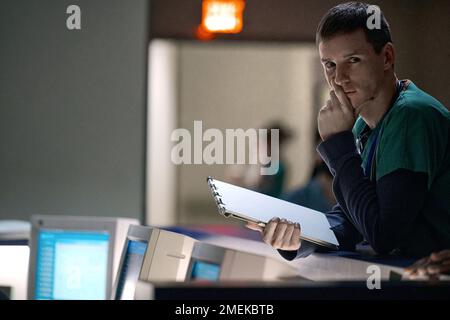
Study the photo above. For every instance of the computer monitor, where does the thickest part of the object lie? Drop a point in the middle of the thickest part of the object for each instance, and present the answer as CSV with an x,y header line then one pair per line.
x,y
206,263
14,270
212,263
131,262
151,254
75,257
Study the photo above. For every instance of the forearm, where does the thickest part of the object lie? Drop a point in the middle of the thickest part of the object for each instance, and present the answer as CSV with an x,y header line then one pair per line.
x,y
305,250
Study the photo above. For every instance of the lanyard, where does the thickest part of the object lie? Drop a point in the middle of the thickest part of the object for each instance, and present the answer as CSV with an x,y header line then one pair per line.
x,y
370,167
371,157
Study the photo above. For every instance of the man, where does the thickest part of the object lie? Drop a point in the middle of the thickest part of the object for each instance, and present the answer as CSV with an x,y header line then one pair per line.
x,y
386,142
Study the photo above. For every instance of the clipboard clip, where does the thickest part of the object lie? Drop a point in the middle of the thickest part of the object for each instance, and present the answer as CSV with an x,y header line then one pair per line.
x,y
217,198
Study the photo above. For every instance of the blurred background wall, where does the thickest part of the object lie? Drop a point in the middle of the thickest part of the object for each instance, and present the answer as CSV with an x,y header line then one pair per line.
x,y
72,108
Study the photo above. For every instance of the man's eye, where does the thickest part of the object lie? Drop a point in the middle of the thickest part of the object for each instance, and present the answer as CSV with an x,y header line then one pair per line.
x,y
329,65
354,60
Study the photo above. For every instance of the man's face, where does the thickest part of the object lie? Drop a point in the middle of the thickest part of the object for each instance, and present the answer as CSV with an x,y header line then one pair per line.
x,y
351,62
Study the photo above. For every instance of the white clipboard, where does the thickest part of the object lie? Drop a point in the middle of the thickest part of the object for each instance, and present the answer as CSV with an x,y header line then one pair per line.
x,y
248,205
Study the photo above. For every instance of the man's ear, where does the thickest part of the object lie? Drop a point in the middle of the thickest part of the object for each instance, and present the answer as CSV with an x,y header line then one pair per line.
x,y
388,53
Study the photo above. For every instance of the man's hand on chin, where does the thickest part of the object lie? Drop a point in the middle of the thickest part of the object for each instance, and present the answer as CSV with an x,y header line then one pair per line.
x,y
337,115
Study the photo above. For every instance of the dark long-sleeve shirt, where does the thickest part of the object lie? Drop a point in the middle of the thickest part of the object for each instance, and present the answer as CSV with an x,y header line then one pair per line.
x,y
385,213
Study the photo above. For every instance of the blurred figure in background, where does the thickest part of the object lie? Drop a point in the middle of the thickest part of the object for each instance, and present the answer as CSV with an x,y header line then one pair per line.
x,y
250,177
317,194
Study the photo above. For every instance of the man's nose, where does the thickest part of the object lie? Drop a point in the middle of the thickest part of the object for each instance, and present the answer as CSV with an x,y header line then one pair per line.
x,y
341,75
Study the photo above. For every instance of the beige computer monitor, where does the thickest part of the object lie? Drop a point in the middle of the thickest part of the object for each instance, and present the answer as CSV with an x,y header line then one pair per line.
x,y
215,263
153,255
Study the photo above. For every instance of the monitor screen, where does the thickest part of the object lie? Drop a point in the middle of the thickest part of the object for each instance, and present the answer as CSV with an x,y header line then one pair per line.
x,y
72,264
205,271
131,267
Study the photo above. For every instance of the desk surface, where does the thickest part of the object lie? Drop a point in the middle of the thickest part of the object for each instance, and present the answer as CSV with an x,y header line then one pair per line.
x,y
321,276
354,290
331,266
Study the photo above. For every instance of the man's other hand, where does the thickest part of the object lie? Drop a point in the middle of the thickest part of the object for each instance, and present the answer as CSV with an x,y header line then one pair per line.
x,y
431,266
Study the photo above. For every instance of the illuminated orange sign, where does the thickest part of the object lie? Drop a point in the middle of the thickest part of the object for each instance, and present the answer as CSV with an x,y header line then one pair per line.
x,y
222,16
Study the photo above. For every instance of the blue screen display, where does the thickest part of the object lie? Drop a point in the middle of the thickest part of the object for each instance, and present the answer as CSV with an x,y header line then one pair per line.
x,y
205,271
72,265
131,267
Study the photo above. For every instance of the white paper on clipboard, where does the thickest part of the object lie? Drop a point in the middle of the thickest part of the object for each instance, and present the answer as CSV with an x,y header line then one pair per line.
x,y
248,205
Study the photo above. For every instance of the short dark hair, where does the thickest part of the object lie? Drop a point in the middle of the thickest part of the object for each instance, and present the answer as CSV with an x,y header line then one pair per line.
x,y
349,17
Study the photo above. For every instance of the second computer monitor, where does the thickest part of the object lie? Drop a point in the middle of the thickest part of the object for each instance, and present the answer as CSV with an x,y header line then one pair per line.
x,y
152,255
212,263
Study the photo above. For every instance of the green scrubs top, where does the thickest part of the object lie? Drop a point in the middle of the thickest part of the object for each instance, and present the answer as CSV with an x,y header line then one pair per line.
x,y
414,135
